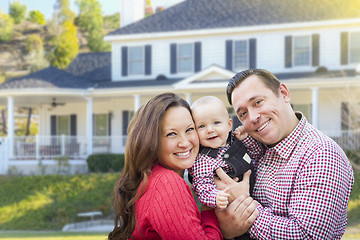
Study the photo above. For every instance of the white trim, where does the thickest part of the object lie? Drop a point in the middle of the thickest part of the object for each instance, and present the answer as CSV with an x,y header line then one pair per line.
x,y
230,30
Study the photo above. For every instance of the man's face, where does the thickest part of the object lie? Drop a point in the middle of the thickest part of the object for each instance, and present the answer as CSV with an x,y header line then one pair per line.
x,y
264,114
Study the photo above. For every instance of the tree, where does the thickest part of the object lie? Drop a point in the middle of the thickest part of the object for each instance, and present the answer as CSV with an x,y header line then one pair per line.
x,y
66,46
36,16
17,11
6,27
90,19
62,12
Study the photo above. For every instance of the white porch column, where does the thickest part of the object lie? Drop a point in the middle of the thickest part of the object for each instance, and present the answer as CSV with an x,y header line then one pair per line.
x,y
189,98
315,106
137,102
89,125
10,125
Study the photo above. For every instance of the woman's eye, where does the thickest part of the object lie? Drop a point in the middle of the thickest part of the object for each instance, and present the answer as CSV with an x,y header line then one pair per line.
x,y
258,102
171,134
190,129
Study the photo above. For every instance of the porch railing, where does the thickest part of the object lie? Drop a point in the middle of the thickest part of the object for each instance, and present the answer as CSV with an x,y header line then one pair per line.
x,y
40,147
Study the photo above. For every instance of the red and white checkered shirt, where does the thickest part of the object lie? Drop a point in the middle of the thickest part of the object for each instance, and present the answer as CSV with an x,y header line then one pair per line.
x,y
303,185
203,175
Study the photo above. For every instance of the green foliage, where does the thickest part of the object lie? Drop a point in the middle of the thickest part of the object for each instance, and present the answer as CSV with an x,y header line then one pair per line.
x,y
17,11
354,204
33,43
354,155
111,21
62,12
37,60
105,162
66,46
90,18
6,27
36,16
48,202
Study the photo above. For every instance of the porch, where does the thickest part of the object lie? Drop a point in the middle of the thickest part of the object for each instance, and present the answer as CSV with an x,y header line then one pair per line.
x,y
27,155
53,154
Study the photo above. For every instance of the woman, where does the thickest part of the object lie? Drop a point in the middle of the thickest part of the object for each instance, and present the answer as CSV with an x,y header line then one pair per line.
x,y
151,198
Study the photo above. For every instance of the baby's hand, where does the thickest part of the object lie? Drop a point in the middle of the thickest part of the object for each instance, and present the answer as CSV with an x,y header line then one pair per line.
x,y
222,199
240,133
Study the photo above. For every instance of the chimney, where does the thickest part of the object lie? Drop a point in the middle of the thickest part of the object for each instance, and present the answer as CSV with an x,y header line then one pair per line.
x,y
131,11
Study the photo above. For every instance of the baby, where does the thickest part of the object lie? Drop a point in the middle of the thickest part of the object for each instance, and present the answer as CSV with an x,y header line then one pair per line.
x,y
219,148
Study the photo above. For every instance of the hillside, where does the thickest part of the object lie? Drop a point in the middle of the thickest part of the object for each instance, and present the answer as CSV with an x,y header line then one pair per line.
x,y
13,54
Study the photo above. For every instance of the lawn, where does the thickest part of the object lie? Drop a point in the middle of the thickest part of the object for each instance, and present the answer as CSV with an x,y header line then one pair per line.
x,y
50,235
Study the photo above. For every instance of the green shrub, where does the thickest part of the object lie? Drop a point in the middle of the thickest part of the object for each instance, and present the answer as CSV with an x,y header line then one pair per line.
x,y
17,11
105,162
36,16
354,155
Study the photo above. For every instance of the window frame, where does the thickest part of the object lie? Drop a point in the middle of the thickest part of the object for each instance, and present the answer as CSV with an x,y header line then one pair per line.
x,y
191,57
58,123
140,60
106,115
247,55
351,48
295,51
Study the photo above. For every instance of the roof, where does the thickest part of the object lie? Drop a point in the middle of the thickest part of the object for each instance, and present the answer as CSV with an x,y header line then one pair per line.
x,y
207,14
91,66
50,77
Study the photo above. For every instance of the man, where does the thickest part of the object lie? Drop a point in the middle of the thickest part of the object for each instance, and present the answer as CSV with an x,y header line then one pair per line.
x,y
303,178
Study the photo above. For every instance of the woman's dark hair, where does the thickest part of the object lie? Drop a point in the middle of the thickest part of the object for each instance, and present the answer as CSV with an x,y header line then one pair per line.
x,y
141,153
269,79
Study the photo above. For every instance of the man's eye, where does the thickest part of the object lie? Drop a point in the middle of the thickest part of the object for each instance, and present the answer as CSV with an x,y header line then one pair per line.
x,y
258,102
241,115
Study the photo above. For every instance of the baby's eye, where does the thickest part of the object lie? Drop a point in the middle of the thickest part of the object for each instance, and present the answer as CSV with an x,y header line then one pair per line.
x,y
201,126
217,122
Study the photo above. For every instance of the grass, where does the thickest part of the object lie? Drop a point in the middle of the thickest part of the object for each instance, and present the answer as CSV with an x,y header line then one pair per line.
x,y
45,235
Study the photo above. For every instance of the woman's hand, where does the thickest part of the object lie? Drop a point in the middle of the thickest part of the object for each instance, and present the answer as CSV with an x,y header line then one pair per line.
x,y
236,219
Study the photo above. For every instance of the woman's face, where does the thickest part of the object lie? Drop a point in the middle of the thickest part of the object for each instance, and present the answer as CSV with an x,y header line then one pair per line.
x,y
179,142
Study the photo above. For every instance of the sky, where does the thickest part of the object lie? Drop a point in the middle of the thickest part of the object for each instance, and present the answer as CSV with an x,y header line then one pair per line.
x,y
108,6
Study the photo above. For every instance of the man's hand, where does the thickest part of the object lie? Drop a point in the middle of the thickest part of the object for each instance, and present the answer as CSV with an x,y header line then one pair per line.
x,y
235,188
236,219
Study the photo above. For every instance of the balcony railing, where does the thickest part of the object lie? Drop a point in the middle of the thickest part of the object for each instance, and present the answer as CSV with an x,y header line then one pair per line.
x,y
41,147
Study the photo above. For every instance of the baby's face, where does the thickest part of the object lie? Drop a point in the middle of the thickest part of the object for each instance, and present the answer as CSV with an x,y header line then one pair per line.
x,y
212,124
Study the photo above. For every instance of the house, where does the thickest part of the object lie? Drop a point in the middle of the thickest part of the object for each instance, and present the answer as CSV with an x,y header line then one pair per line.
x,y
192,49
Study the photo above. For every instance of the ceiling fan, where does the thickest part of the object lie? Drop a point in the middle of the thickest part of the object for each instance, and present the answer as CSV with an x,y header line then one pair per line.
x,y
55,104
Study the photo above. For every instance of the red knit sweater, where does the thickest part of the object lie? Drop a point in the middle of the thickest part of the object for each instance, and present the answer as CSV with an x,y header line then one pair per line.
x,y
168,210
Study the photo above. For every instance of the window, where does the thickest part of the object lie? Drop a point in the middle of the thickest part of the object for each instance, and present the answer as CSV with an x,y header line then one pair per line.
x,y
302,50
136,61
240,55
101,124
185,57
354,47
63,126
